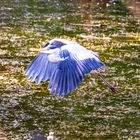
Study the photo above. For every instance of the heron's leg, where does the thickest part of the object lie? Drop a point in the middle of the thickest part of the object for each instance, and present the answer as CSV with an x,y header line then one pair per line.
x,y
98,74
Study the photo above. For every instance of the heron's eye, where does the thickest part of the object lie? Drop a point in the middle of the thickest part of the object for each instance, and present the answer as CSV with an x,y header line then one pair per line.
x,y
46,45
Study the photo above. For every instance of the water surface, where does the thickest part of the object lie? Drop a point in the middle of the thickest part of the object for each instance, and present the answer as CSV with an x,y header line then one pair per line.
x,y
91,111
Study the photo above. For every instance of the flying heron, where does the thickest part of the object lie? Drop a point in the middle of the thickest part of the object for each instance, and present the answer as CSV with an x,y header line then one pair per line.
x,y
64,63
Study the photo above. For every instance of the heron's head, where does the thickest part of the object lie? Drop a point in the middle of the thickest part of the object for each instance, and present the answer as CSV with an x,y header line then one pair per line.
x,y
53,46
53,50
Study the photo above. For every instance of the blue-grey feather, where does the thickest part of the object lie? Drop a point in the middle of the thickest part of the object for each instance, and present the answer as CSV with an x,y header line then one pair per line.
x,y
45,77
63,85
54,80
59,84
35,68
40,68
30,67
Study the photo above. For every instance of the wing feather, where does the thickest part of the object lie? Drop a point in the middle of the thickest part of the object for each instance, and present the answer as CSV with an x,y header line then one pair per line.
x,y
40,68
67,76
33,67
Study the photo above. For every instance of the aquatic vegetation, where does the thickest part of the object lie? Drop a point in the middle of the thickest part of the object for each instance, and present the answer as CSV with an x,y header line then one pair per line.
x,y
90,112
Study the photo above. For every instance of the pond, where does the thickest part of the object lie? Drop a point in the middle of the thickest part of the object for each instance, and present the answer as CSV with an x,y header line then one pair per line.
x,y
91,111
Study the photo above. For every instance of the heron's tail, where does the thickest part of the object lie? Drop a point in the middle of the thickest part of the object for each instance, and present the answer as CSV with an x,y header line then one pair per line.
x,y
111,87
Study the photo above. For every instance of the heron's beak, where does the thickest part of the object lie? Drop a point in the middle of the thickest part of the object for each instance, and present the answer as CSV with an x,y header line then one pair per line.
x,y
47,51
35,49
50,51
44,50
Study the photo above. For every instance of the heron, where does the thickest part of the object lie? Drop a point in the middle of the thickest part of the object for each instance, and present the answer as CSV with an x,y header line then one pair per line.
x,y
64,63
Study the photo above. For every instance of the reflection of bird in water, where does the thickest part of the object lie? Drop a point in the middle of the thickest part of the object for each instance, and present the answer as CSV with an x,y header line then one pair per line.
x,y
64,63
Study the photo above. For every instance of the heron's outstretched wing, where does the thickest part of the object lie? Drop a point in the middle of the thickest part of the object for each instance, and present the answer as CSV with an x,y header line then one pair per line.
x,y
40,69
87,59
67,76
70,72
